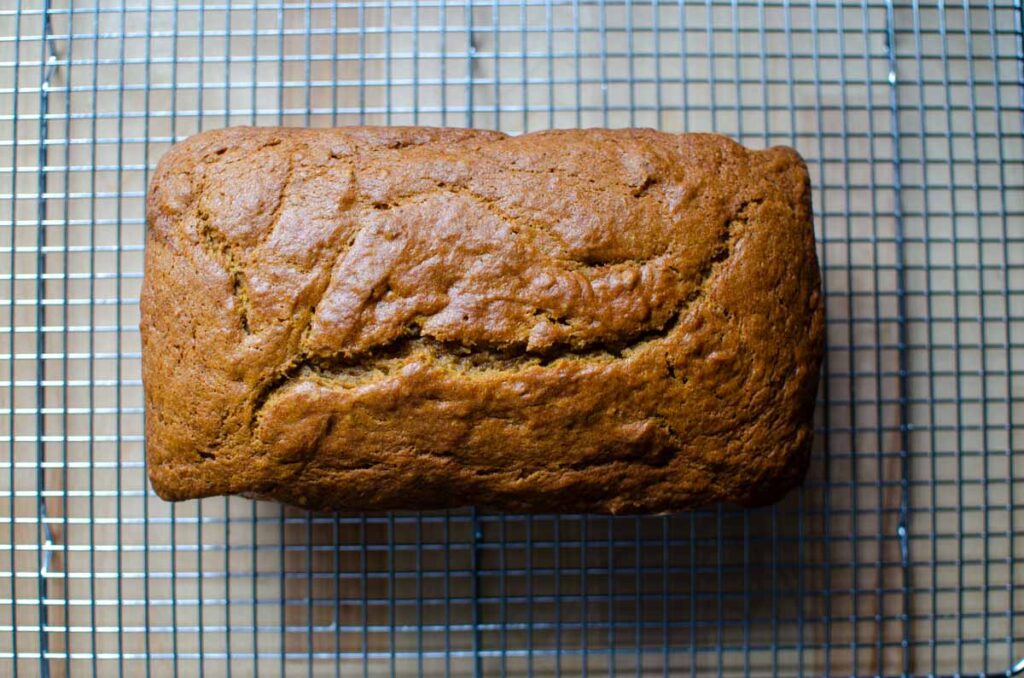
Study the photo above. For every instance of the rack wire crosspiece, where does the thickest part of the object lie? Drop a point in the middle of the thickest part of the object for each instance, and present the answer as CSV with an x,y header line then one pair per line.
x,y
904,552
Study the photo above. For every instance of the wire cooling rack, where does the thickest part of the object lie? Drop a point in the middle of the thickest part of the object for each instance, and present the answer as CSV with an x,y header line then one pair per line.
x,y
904,552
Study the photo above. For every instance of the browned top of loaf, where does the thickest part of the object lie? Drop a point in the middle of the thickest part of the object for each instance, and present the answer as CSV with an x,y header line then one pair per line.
x,y
409,318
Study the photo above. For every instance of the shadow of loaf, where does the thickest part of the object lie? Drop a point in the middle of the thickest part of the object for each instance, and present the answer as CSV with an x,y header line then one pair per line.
x,y
577,320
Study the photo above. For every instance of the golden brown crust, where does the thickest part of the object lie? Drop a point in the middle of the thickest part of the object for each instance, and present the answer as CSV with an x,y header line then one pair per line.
x,y
578,320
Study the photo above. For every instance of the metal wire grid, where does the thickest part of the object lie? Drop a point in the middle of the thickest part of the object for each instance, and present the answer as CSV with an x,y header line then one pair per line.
x,y
902,554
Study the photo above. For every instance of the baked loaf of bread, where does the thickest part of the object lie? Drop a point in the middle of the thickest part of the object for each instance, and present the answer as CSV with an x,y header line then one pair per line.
x,y
411,318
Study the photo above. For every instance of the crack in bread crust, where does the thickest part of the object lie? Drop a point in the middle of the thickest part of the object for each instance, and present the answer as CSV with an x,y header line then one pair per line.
x,y
350,371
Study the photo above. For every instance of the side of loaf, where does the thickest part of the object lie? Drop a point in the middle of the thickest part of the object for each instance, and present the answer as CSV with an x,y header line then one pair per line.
x,y
412,318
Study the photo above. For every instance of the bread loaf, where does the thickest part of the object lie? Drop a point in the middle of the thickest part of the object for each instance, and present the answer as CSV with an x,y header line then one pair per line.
x,y
411,318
